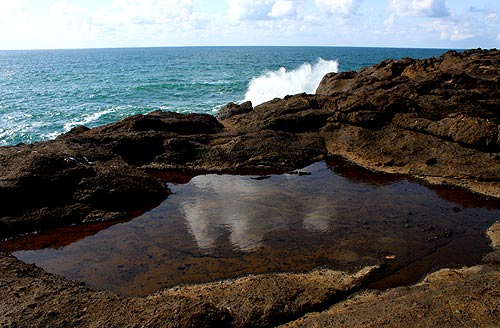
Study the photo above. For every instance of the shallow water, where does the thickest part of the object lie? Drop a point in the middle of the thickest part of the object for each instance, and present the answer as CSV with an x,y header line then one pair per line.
x,y
222,226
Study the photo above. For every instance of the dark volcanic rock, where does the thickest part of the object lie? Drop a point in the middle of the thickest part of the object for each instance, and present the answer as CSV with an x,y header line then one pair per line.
x,y
60,183
232,109
397,115
435,118
183,124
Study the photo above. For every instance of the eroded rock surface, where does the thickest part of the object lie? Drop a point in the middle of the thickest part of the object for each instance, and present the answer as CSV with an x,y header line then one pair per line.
x,y
437,119
34,298
467,297
448,298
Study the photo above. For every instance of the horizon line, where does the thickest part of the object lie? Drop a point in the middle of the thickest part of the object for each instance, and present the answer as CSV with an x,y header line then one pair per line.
x,y
235,46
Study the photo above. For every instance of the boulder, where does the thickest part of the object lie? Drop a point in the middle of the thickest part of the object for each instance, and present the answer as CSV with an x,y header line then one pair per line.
x,y
232,109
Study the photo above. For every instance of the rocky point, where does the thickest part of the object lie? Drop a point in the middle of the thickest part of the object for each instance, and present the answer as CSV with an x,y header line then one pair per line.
x,y
436,119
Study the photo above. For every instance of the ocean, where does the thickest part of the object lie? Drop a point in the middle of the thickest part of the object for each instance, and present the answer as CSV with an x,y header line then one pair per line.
x,y
44,93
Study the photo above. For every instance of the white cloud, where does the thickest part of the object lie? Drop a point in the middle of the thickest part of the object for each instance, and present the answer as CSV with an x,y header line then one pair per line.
x,y
111,23
15,24
129,12
492,16
427,8
140,22
116,23
473,24
453,29
389,22
12,7
486,23
458,26
64,15
283,8
13,15
261,9
125,15
340,7
250,10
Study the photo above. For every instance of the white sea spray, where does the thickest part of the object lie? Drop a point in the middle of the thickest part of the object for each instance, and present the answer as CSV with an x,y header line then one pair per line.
x,y
282,82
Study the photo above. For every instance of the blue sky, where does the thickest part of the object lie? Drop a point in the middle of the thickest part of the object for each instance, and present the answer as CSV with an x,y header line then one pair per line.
x,y
42,24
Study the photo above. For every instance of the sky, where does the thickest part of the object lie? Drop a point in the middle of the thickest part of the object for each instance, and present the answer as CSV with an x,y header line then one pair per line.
x,y
60,24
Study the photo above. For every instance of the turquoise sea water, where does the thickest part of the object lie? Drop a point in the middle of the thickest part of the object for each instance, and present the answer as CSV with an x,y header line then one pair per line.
x,y
47,92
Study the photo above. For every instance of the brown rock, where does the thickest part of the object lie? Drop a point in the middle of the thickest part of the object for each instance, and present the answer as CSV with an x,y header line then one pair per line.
x,y
259,301
447,298
436,118
232,109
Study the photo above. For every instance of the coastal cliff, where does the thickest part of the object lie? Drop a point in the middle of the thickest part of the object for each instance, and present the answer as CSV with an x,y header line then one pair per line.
x,y
435,119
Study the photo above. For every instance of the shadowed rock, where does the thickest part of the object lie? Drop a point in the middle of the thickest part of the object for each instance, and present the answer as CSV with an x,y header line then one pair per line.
x,y
437,119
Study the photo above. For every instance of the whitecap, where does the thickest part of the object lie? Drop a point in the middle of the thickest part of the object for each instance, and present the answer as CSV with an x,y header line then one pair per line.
x,y
87,118
279,83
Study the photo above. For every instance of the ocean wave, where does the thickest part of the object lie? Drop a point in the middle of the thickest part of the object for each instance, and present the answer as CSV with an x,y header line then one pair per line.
x,y
87,118
279,83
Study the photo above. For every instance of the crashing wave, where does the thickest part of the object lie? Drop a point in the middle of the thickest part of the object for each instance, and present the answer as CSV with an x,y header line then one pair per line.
x,y
279,83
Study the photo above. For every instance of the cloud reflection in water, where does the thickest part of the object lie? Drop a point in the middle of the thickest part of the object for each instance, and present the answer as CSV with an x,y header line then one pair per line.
x,y
250,209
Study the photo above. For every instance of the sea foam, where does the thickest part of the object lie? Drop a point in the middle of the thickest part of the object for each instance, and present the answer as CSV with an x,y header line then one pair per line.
x,y
85,119
279,83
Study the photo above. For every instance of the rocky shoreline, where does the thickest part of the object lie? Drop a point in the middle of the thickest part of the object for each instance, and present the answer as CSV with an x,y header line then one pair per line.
x,y
435,119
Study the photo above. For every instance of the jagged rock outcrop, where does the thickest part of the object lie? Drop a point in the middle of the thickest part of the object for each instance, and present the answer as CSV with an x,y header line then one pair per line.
x,y
436,119
232,109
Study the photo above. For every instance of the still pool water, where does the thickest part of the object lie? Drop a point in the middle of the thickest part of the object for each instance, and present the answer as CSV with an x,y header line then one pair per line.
x,y
332,214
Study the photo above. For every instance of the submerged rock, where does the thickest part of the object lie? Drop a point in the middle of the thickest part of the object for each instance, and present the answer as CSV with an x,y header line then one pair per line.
x,y
256,300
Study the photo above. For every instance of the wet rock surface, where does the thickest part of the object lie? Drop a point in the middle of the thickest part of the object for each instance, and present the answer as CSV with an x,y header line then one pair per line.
x,y
436,119
467,297
447,298
34,298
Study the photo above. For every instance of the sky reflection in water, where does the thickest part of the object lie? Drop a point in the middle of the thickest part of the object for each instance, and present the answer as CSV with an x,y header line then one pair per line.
x,y
220,226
